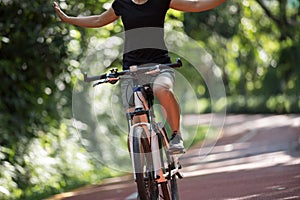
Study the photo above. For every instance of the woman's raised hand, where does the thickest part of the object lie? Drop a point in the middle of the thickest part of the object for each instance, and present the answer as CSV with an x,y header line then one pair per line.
x,y
93,21
59,12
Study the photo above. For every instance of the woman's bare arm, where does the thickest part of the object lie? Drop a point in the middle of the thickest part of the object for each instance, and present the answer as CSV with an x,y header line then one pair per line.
x,y
93,21
194,5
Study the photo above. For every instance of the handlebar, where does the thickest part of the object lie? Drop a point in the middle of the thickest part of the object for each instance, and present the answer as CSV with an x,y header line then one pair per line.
x,y
113,76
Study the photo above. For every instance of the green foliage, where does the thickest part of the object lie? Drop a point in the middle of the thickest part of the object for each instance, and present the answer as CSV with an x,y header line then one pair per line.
x,y
223,20
256,44
33,89
39,63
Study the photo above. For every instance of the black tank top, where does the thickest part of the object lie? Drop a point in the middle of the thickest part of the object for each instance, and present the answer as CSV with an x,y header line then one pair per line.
x,y
144,33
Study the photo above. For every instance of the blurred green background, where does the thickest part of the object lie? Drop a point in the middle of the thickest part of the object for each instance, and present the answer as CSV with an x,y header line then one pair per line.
x,y
49,125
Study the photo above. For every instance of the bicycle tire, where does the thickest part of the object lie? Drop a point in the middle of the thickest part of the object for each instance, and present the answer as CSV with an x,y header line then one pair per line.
x,y
144,175
174,188
169,188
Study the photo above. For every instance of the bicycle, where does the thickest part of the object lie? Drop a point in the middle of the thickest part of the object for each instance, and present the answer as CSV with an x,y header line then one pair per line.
x,y
155,168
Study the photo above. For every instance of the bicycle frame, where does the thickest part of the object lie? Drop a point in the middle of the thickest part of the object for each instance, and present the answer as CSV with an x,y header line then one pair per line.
x,y
144,106
156,137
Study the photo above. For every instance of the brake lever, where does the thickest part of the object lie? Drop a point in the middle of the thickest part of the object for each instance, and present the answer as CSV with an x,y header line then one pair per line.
x,y
107,80
100,82
112,80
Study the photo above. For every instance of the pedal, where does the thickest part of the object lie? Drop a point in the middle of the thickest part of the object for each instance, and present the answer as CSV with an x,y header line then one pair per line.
x,y
176,151
179,166
179,175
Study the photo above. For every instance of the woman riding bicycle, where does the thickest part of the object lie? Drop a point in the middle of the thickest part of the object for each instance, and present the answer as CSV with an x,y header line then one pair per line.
x,y
143,21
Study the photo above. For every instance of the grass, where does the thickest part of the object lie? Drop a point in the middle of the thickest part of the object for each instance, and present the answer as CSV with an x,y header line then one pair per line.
x,y
195,135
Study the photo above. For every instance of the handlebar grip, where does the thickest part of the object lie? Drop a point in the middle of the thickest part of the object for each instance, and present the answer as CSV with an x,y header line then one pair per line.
x,y
178,60
172,65
178,63
93,78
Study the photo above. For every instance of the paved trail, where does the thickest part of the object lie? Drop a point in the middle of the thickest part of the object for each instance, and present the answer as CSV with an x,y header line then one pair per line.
x,y
257,157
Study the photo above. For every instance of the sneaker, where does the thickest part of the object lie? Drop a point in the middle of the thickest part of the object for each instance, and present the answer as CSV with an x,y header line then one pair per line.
x,y
176,144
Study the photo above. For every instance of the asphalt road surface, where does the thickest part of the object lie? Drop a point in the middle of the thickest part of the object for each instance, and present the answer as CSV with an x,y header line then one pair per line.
x,y
256,157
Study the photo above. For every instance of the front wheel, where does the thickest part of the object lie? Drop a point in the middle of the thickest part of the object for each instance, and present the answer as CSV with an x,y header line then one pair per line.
x,y
143,166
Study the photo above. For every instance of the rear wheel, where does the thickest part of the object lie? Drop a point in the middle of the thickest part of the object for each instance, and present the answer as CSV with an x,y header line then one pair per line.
x,y
169,188
174,188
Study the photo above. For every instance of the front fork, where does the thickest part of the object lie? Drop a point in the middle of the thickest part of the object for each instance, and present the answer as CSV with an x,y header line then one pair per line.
x,y
142,130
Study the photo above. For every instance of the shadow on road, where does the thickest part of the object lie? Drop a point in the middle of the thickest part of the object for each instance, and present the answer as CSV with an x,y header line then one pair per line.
x,y
257,157
260,183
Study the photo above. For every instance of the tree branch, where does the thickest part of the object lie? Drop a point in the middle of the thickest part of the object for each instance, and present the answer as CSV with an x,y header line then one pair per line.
x,y
282,22
268,12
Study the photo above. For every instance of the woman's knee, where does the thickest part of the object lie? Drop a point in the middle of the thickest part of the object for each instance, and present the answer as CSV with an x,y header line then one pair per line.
x,y
162,84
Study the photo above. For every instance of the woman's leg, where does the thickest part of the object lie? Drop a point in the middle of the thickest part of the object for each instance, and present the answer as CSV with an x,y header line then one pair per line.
x,y
163,90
